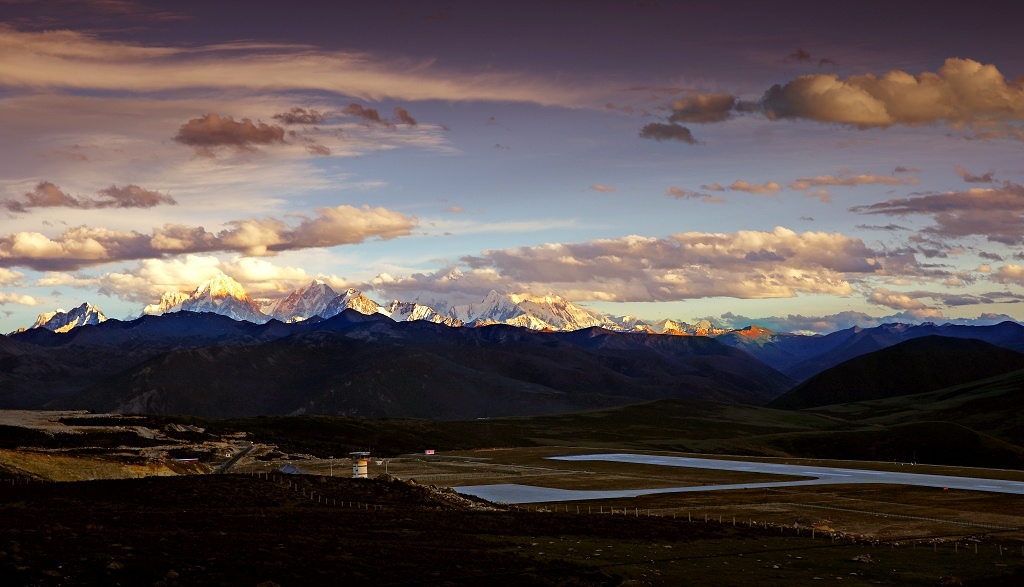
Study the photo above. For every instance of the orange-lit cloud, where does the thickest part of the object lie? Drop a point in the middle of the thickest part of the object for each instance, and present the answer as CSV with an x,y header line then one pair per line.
x,y
84,246
74,60
963,94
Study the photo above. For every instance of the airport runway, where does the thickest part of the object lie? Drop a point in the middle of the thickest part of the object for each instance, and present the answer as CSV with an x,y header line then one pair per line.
x,y
513,493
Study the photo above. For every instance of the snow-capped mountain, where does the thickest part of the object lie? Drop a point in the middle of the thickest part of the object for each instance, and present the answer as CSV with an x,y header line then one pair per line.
x,y
220,295
61,321
170,301
630,323
495,308
224,295
352,298
408,311
562,314
302,303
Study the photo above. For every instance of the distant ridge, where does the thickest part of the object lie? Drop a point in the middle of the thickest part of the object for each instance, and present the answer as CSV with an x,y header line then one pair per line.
x,y
914,366
369,366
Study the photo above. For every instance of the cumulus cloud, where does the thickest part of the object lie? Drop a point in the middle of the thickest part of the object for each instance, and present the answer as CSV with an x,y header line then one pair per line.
x,y
668,132
1009,274
971,178
48,195
896,300
684,194
8,277
963,93
996,213
746,264
702,108
607,189
83,246
211,131
150,278
299,115
13,298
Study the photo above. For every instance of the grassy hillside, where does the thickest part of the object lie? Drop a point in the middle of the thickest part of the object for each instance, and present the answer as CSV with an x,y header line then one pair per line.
x,y
915,366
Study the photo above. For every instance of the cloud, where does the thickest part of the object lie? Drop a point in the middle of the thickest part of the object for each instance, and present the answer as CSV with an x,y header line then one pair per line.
x,y
848,179
212,131
683,194
319,150
48,195
149,279
8,277
607,189
79,61
996,213
402,115
667,132
971,178
822,194
962,94
754,188
896,300
301,116
1009,274
841,321
13,298
799,55
84,246
904,169
800,323
703,108
368,114
745,264
742,186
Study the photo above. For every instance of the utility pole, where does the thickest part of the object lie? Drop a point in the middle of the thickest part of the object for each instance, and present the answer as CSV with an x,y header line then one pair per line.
x,y
332,465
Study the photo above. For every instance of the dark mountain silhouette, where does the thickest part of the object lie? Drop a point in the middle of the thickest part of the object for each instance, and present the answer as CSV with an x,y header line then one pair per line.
x,y
206,364
800,357
914,366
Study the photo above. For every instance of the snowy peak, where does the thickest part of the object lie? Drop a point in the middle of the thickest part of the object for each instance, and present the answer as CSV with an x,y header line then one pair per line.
x,y
408,311
548,312
351,299
302,303
495,308
61,321
220,295
562,314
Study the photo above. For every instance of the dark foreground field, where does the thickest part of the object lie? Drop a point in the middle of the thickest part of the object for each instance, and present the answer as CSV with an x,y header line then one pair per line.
x,y
245,530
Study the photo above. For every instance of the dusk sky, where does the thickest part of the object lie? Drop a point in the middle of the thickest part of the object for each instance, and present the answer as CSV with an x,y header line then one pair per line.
x,y
799,165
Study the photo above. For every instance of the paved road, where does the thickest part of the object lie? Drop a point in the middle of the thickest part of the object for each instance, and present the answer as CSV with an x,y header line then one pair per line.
x,y
512,493
226,466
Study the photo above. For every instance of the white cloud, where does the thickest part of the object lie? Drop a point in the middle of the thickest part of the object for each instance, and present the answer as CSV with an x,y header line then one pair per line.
x,y
745,264
13,298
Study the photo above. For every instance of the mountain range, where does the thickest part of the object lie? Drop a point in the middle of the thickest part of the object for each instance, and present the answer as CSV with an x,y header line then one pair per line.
x,y
225,296
367,365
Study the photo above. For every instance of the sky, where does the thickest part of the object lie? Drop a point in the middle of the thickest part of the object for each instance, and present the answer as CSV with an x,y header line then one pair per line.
x,y
795,164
